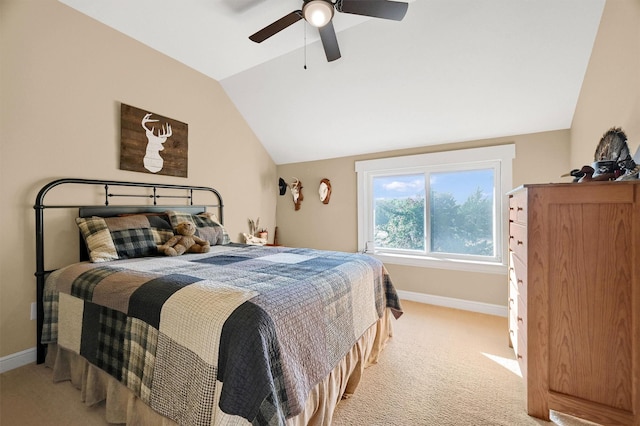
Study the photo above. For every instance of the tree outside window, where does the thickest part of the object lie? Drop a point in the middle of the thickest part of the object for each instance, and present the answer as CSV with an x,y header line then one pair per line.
x,y
444,209
460,212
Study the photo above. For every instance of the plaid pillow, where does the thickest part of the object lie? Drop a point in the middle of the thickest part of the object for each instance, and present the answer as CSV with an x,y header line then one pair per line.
x,y
207,226
160,227
114,238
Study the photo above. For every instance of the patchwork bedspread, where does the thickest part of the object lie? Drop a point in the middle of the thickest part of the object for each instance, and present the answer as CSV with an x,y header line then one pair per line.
x,y
237,335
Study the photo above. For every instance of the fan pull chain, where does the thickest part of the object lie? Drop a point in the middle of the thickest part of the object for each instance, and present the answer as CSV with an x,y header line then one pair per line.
x,y
305,45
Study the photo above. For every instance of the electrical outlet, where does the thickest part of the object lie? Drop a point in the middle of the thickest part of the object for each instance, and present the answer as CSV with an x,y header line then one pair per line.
x,y
34,310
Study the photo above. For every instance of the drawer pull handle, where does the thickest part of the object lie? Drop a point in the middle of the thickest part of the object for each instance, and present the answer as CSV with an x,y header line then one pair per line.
x,y
520,281
519,356
520,242
520,319
511,237
520,209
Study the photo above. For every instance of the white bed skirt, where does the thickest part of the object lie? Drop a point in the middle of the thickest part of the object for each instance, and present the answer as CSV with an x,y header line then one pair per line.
x,y
122,406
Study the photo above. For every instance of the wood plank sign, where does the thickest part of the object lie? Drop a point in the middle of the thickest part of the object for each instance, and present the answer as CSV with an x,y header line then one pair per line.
x,y
152,143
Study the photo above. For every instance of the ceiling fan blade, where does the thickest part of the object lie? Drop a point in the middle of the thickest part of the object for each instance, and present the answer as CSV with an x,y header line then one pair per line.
x,y
276,27
330,42
376,8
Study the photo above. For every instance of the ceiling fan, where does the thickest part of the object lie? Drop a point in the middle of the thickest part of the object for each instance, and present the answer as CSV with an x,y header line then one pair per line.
x,y
319,13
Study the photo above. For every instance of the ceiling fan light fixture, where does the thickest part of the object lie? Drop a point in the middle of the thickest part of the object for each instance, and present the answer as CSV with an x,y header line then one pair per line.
x,y
318,12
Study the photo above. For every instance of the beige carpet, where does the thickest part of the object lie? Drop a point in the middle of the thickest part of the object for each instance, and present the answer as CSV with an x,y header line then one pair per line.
x,y
442,367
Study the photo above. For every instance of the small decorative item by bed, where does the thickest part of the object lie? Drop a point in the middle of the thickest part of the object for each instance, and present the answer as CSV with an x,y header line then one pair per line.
x,y
151,143
612,160
256,236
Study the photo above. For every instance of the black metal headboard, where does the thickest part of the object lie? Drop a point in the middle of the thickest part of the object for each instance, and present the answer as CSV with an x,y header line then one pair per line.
x,y
187,193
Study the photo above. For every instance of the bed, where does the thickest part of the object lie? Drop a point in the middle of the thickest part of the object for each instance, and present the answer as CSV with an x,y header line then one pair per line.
x,y
241,334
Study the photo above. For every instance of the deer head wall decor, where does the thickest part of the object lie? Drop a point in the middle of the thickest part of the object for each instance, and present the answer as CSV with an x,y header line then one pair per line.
x,y
160,150
152,160
296,192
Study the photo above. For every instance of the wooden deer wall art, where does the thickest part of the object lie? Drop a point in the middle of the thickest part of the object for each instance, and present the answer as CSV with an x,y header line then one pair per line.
x,y
149,148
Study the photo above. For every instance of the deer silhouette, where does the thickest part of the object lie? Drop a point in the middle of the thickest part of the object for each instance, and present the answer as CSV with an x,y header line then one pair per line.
x,y
152,160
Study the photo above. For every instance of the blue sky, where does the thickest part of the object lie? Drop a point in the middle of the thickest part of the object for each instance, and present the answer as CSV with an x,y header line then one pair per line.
x,y
460,184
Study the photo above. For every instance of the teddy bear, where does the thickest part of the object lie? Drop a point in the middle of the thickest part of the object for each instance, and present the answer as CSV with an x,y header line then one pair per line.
x,y
185,242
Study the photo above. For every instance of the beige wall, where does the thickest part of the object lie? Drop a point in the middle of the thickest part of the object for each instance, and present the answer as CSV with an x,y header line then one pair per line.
x,y
540,158
610,94
63,76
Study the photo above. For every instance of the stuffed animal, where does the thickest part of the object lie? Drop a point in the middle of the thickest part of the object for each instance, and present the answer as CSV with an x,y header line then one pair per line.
x,y
185,242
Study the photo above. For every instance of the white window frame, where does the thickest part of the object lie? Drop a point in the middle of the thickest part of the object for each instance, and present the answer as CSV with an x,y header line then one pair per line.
x,y
499,157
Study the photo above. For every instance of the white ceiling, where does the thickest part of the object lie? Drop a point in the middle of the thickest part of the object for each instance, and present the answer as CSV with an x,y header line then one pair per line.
x,y
452,70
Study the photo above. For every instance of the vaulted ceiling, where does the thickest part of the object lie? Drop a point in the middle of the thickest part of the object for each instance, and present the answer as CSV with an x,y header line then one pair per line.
x,y
452,70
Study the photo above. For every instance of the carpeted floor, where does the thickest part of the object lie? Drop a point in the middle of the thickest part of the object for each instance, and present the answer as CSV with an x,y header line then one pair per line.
x,y
442,367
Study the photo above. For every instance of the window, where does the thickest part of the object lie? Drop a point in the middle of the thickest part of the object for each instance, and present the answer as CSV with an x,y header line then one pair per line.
x,y
443,210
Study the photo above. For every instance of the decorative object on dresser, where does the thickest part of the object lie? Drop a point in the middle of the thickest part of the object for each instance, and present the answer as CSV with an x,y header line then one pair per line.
x,y
574,298
612,146
612,160
143,148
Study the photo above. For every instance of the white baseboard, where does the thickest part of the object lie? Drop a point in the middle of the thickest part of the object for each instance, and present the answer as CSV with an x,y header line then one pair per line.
x,y
18,359
450,302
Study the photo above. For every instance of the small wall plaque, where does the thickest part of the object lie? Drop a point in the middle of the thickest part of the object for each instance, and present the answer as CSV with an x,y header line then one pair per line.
x,y
152,143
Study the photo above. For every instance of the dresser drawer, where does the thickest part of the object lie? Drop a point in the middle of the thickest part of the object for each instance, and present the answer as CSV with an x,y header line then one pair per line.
x,y
518,276
521,356
518,207
521,322
517,309
513,339
518,240
513,323
518,332
513,312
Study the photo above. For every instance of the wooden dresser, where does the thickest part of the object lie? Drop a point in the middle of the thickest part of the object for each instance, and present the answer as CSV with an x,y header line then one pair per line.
x,y
574,298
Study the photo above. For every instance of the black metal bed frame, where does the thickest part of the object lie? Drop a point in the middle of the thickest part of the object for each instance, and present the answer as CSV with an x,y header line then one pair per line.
x,y
107,210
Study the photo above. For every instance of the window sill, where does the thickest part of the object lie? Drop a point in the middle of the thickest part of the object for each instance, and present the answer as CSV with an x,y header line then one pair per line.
x,y
450,264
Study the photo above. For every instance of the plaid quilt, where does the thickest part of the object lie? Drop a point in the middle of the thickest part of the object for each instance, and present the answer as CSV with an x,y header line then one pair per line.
x,y
240,334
